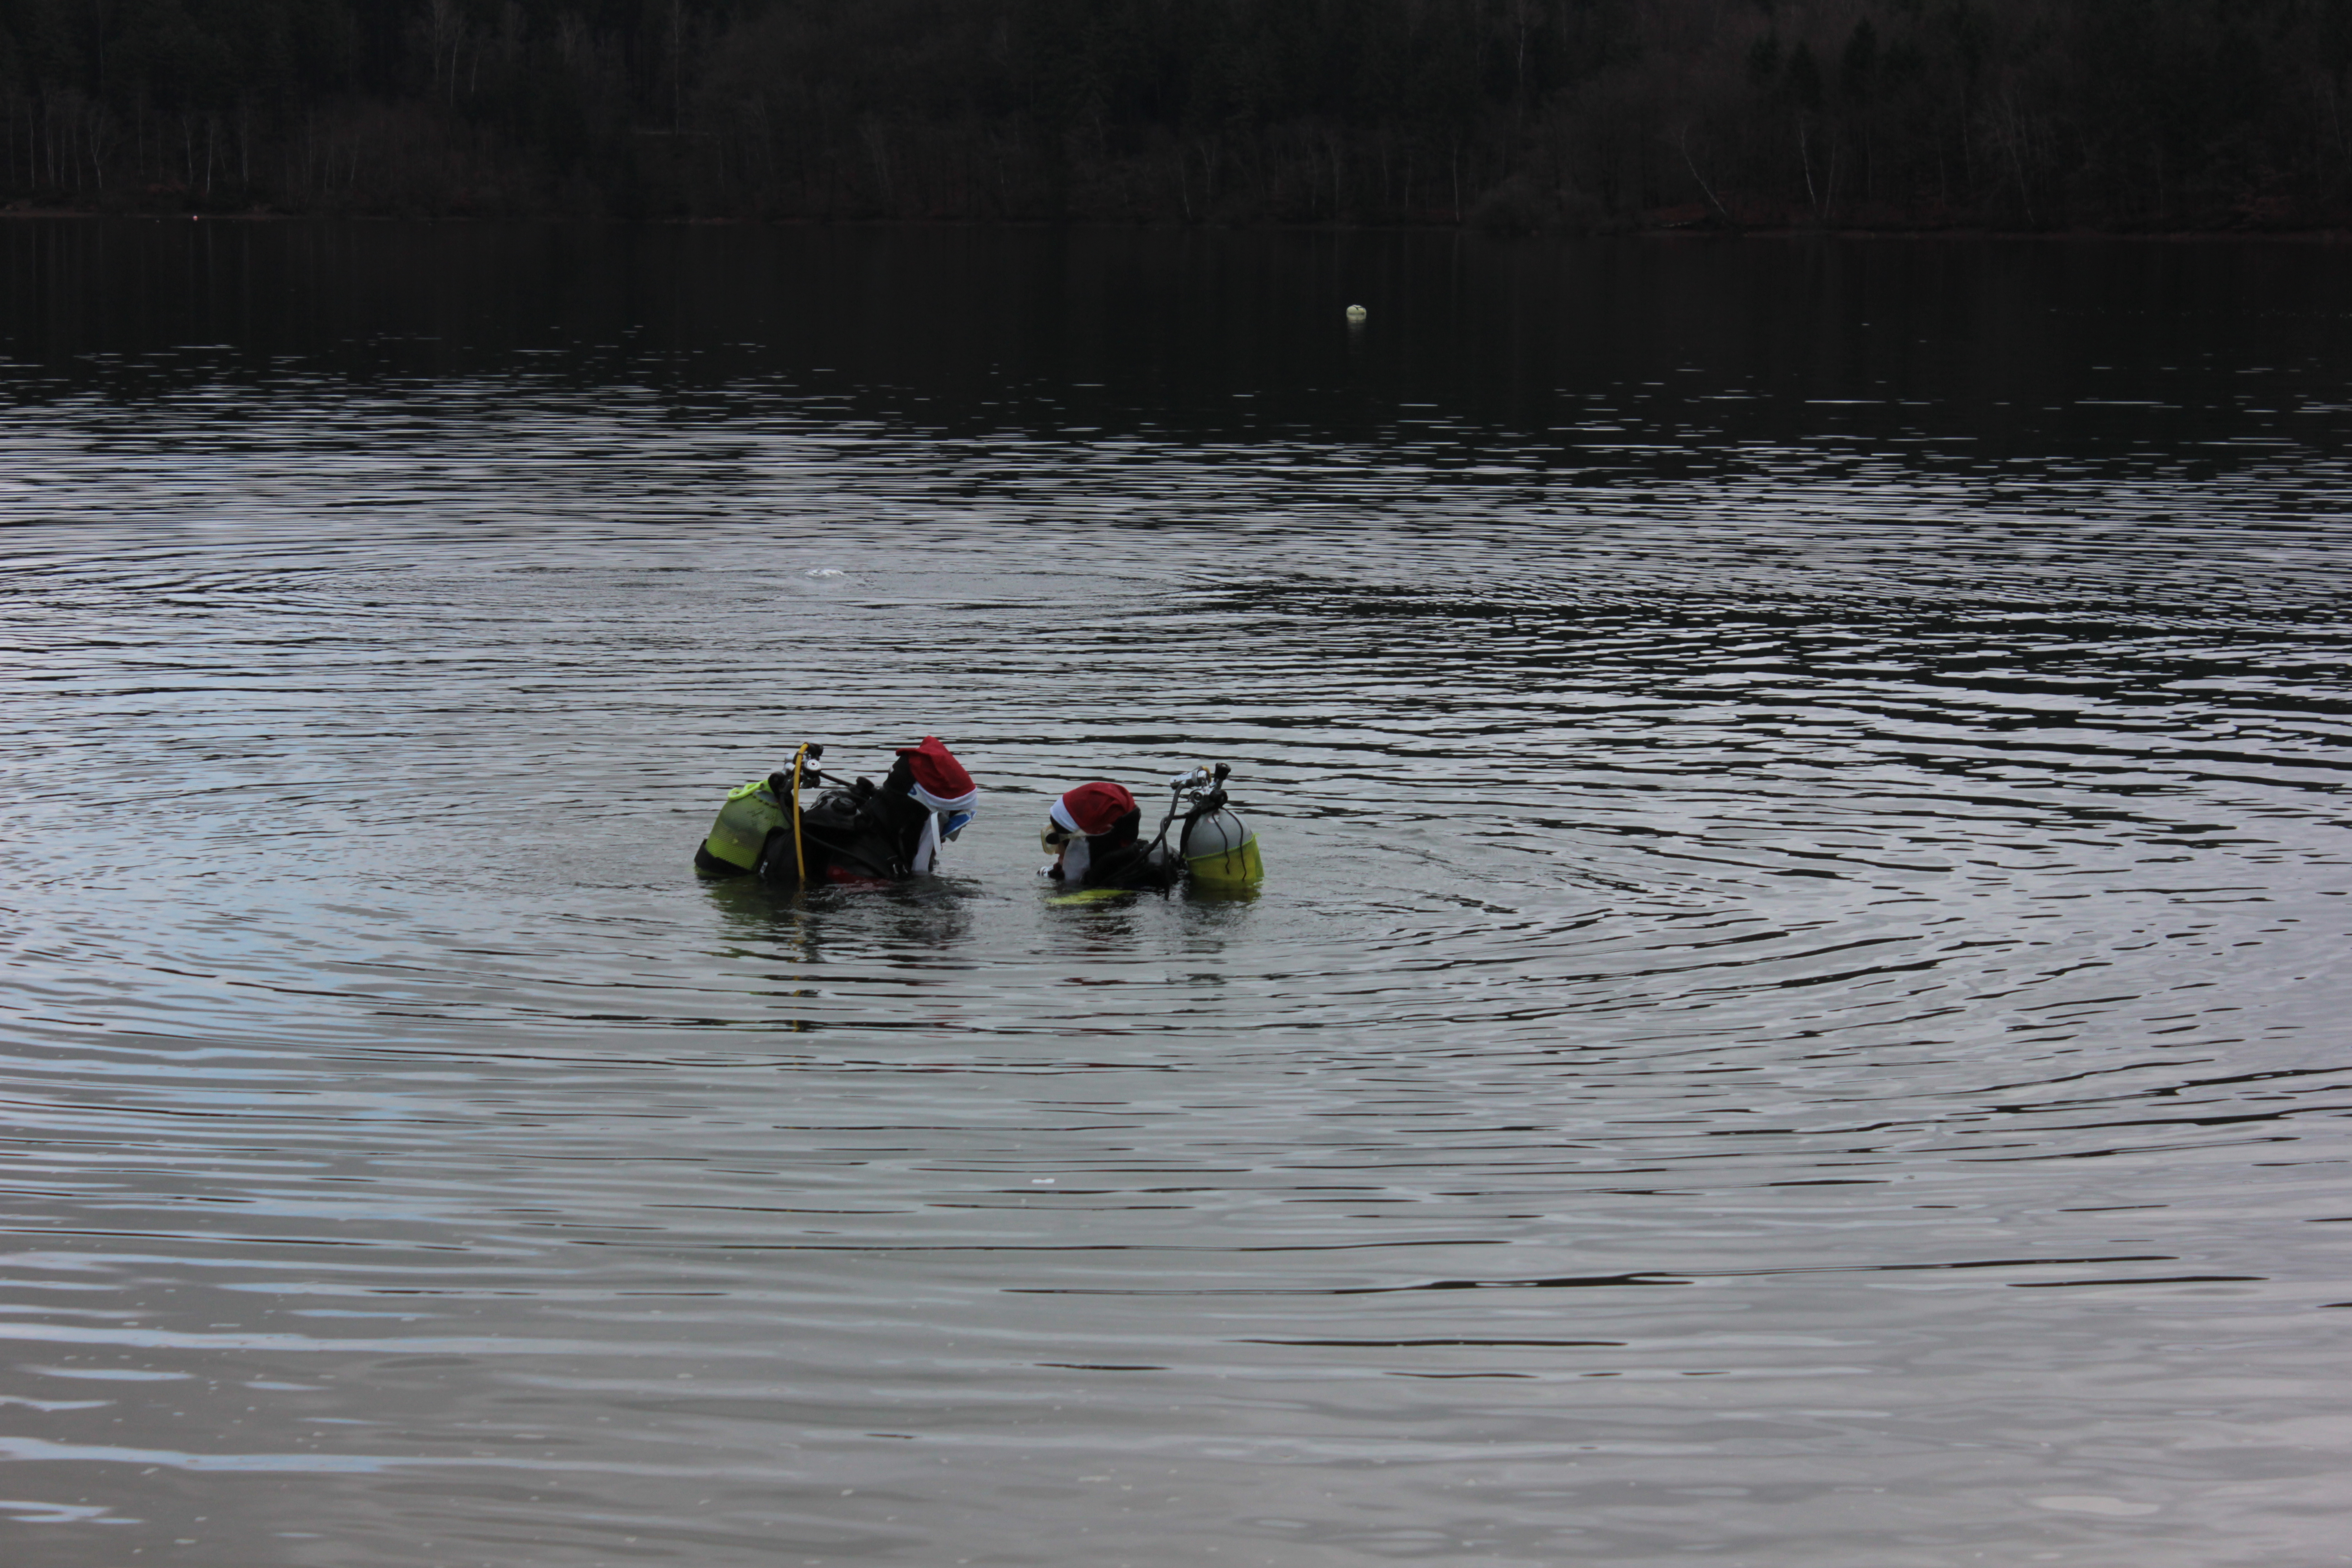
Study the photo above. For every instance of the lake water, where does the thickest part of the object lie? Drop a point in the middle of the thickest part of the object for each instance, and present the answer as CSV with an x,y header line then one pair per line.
x,y
1798,1013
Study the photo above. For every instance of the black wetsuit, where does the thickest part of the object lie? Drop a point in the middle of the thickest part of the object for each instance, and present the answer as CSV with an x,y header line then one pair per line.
x,y
1119,859
864,831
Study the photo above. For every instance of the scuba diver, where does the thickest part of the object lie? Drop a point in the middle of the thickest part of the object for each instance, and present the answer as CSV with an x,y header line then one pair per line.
x,y
860,832
1096,830
1091,833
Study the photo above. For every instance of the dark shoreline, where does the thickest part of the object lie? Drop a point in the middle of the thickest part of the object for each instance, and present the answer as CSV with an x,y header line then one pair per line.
x,y
2313,235
2063,118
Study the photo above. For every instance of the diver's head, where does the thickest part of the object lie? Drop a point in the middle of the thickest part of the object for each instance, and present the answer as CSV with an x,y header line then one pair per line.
x,y
931,775
1096,810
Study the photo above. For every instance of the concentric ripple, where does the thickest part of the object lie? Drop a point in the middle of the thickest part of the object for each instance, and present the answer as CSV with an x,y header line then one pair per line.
x,y
1796,1016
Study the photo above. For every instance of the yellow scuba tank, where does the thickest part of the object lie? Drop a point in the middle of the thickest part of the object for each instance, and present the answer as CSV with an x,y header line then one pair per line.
x,y
737,841
1216,848
741,833
1220,853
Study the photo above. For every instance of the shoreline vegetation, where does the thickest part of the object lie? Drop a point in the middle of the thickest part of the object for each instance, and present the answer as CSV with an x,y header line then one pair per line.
x,y
2157,117
1659,227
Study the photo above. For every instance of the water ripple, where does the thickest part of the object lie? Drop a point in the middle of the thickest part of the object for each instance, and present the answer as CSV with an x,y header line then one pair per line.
x,y
1793,1013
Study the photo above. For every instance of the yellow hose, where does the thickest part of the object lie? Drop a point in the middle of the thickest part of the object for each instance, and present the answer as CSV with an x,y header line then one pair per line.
x,y
800,860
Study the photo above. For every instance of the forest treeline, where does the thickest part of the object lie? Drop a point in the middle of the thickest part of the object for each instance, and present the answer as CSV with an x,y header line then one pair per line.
x,y
1575,115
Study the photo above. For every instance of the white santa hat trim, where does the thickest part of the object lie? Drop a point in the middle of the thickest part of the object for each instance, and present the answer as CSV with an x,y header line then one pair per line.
x,y
967,801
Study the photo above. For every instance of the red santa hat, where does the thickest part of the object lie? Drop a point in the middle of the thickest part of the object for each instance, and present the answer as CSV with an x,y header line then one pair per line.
x,y
1093,809
941,782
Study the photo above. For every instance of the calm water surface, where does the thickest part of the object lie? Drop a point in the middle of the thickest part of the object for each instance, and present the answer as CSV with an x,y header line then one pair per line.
x,y
1797,1018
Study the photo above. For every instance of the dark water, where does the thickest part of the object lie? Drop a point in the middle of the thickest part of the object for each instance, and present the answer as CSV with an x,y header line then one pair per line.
x,y
1798,1015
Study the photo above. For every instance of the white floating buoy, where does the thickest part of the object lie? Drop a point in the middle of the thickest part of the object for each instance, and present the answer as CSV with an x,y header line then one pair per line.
x,y
1355,315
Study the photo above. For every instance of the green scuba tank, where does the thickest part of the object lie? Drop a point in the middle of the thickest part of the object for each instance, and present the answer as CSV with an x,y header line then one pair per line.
x,y
1218,851
1221,852
741,833
737,841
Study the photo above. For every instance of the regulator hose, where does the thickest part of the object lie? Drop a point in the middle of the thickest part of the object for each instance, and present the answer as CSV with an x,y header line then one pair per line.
x,y
800,859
